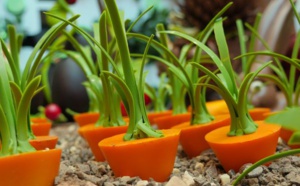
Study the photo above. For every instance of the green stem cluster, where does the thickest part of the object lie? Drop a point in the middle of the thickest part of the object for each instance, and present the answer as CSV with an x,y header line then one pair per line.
x,y
158,97
178,92
139,125
18,88
183,77
236,98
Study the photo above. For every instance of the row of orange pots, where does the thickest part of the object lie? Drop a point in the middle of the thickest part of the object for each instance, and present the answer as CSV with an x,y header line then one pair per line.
x,y
41,129
192,139
40,126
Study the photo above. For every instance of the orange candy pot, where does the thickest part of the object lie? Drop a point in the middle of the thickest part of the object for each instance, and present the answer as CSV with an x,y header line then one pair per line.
x,y
146,158
30,169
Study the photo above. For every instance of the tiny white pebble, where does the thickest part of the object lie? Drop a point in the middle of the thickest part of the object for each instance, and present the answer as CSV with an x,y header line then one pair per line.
x,y
175,171
71,128
225,179
199,166
187,178
73,149
142,183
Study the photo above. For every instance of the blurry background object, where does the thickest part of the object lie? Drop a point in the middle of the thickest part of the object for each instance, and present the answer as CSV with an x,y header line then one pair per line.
x,y
277,28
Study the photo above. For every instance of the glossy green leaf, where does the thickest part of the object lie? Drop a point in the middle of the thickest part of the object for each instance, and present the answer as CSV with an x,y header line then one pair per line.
x,y
244,87
14,69
288,118
127,99
295,11
16,92
88,61
281,85
8,141
228,74
36,55
90,39
214,57
160,48
139,18
275,55
95,85
241,35
24,106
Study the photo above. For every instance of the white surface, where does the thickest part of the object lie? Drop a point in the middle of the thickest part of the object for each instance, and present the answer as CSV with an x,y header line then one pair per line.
x,y
88,9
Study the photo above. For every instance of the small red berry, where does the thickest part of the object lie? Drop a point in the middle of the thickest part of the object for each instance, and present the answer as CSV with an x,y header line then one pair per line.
x,y
52,111
70,2
123,109
147,99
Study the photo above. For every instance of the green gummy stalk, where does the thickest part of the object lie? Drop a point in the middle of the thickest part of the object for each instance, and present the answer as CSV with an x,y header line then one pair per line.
x,y
130,80
124,51
177,98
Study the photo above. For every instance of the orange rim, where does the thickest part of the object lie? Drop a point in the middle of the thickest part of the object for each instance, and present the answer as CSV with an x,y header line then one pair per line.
x,y
93,135
259,113
38,120
44,142
216,107
235,151
86,118
126,119
29,169
167,122
153,115
192,137
146,158
41,129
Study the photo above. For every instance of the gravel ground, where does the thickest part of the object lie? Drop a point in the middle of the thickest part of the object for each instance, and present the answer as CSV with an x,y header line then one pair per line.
x,y
78,167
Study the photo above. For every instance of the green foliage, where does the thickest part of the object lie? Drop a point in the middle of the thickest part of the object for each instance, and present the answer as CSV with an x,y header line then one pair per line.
x,y
18,88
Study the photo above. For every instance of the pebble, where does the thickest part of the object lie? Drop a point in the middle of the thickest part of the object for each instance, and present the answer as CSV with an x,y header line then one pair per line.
x,y
199,167
124,179
176,171
253,181
245,166
73,150
71,128
188,179
267,178
296,180
231,173
142,183
224,178
83,167
287,168
255,172
176,181
200,180
87,177
274,166
108,184
211,171
291,175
